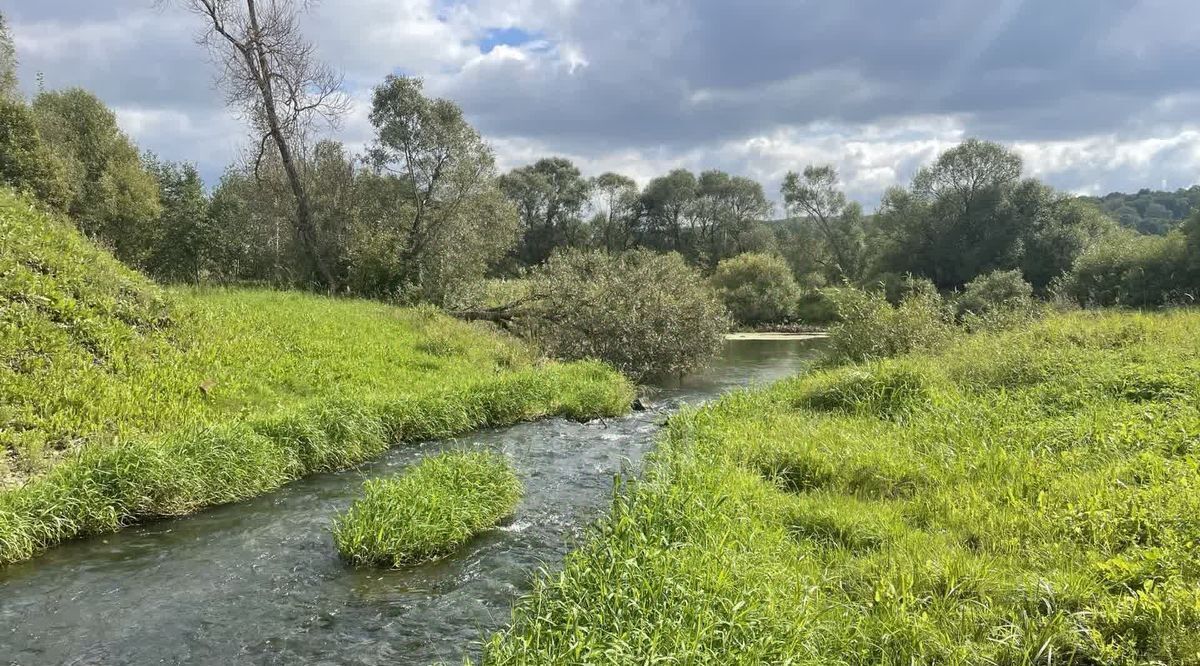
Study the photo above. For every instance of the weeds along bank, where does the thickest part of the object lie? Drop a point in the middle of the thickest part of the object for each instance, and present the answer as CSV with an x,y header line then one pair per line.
x,y
120,402
1026,497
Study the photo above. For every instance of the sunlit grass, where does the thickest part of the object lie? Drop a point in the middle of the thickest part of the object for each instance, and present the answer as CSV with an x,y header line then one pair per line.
x,y
120,402
429,511
1029,497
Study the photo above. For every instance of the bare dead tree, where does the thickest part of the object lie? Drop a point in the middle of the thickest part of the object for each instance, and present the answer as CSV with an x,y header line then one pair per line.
x,y
271,73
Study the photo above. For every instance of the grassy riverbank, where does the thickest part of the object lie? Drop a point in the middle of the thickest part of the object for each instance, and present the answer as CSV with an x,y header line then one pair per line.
x,y
1028,497
120,401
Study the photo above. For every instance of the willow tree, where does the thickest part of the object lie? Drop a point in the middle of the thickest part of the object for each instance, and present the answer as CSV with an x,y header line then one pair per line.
x,y
432,215
271,72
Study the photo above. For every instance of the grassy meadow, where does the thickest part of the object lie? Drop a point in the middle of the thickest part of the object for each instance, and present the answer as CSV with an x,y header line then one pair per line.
x,y
1022,497
429,510
121,401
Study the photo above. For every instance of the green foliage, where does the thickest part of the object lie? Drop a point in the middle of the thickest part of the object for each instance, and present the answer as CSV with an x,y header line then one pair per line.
x,y
757,288
969,213
617,206
995,300
1021,497
8,64
870,327
706,218
186,243
113,197
827,231
646,314
725,216
111,391
1131,270
550,196
817,307
439,213
429,511
668,202
27,165
1149,211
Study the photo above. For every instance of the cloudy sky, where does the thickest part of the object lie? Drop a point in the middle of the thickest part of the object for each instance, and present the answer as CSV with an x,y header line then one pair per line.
x,y
1097,95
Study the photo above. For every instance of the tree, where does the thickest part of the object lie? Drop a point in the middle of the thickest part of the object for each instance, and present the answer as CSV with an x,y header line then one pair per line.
x,y
815,201
270,71
669,202
26,163
113,198
254,237
724,212
443,219
331,176
550,195
616,200
185,240
1147,211
1053,231
969,213
757,288
8,64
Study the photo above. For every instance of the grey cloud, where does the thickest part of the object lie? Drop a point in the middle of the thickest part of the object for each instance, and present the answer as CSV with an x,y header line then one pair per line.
x,y
692,81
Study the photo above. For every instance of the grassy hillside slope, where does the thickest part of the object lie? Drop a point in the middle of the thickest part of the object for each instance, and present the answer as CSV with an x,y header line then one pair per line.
x,y
1029,497
119,401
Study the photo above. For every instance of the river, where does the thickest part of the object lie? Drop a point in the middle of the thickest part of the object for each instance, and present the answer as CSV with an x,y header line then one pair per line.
x,y
259,582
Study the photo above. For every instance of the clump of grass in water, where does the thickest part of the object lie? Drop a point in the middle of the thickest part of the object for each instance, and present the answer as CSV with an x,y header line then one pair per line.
x,y
429,511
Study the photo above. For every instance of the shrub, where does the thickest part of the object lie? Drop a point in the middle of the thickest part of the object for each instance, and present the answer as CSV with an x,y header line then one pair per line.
x,y
646,314
818,306
1131,270
871,327
757,288
429,511
997,300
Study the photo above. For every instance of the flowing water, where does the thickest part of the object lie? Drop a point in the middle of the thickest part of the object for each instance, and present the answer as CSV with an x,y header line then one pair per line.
x,y
260,582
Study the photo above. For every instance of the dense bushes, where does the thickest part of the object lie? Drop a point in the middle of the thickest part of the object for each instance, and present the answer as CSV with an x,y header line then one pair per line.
x,y
757,288
428,511
871,327
647,314
1131,270
999,299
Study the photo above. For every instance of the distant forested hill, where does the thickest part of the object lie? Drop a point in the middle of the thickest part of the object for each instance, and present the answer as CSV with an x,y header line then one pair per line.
x,y
1150,211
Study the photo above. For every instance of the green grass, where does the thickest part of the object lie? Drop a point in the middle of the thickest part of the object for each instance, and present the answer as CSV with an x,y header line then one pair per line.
x,y
429,511
1025,497
120,401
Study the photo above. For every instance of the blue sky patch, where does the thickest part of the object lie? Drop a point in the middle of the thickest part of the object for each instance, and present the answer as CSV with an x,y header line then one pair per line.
x,y
507,37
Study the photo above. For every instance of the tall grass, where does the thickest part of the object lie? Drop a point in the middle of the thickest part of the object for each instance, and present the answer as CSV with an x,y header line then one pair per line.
x,y
429,511
1020,497
120,401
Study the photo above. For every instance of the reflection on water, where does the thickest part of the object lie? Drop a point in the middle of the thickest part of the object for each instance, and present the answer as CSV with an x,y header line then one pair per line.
x,y
260,581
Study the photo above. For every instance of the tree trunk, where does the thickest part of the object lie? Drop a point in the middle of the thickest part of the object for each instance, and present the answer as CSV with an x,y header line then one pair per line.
x,y
304,225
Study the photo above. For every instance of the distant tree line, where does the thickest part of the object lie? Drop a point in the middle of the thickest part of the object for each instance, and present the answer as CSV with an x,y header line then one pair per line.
x,y
1148,211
